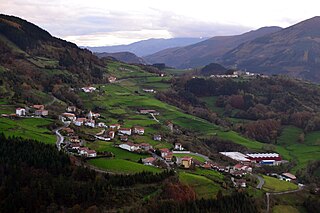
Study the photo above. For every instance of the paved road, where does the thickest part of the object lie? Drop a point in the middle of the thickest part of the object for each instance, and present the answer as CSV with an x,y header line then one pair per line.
x,y
154,117
200,155
261,182
279,193
60,138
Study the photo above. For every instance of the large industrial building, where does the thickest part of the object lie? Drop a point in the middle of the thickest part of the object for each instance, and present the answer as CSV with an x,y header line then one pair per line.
x,y
261,158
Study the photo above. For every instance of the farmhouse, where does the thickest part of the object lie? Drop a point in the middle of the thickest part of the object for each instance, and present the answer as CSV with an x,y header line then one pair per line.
x,y
90,123
164,152
130,146
101,124
79,121
124,138
148,90
169,124
138,130
71,109
157,137
145,146
168,158
111,134
41,112
148,161
112,79
68,131
88,89
87,152
288,176
114,126
69,116
178,146
147,111
20,111
75,146
38,107
240,167
124,131
240,183
186,162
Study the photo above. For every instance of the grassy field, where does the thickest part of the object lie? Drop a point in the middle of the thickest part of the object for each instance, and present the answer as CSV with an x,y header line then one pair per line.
x,y
312,138
204,187
289,135
29,128
122,166
275,185
118,152
201,159
284,209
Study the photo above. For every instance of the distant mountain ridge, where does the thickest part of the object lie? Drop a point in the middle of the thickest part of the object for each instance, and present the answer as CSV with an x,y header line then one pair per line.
x,y
207,51
126,57
147,47
294,51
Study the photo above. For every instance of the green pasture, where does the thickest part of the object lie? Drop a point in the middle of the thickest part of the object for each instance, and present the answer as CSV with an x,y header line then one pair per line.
x,y
204,187
122,166
29,128
275,185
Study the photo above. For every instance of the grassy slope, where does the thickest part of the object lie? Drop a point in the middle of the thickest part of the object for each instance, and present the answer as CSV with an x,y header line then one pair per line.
x,y
204,187
122,166
29,128
284,209
276,185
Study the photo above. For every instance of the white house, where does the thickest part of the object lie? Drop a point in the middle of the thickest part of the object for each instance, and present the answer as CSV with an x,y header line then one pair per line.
x,y
79,121
114,126
129,146
91,153
157,137
178,146
69,116
101,124
88,89
138,130
125,131
148,161
149,90
90,123
20,111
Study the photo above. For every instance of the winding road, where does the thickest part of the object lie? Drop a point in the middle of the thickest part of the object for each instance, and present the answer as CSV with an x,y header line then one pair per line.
x,y
261,182
279,193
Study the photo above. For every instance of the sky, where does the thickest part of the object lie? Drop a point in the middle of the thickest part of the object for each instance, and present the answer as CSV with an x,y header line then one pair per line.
x,y
114,22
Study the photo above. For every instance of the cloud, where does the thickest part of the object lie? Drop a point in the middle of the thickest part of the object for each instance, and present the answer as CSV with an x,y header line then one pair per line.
x,y
101,22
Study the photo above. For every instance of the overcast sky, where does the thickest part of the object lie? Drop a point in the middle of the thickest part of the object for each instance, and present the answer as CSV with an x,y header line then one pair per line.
x,y
111,22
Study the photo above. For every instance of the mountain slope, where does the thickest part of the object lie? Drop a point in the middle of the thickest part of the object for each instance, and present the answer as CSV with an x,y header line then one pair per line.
x,y
33,62
205,52
147,47
126,57
294,51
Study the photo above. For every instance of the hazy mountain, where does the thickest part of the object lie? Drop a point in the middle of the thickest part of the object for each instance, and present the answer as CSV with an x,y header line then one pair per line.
x,y
294,51
147,47
126,57
207,51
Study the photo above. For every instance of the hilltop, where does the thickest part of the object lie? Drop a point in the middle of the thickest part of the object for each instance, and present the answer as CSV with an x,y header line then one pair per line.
x,y
205,52
126,57
293,51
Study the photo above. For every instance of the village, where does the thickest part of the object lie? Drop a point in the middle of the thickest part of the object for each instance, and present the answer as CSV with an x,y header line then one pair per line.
x,y
169,158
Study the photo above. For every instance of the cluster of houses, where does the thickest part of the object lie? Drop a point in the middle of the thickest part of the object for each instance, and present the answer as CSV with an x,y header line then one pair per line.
x,y
285,176
87,120
237,74
34,110
75,144
88,89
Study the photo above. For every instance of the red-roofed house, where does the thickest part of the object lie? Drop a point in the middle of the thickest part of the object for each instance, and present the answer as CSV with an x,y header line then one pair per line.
x,y
125,131
164,152
41,112
186,162
38,107
148,161
114,126
79,121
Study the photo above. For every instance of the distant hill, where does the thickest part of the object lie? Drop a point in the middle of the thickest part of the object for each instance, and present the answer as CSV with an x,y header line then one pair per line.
x,y
126,57
207,51
213,69
147,47
294,51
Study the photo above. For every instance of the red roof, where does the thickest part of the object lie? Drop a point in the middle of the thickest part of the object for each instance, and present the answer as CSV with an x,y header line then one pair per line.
x,y
81,119
238,166
149,160
186,158
124,129
164,150
69,115
91,152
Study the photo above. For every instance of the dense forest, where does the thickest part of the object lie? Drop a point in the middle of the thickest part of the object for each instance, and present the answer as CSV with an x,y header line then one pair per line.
x,y
35,177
